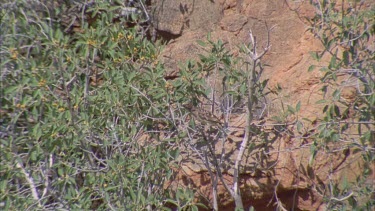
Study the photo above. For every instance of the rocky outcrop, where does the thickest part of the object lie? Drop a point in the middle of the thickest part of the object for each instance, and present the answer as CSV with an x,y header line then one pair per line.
x,y
284,175
175,17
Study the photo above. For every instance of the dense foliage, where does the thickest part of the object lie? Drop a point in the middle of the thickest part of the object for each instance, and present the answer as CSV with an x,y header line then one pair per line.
x,y
86,112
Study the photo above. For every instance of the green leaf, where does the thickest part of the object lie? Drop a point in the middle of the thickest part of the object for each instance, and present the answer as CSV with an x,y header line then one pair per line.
x,y
10,89
321,101
311,68
60,171
312,157
170,140
277,119
369,136
8,203
141,197
201,43
3,185
33,156
336,94
5,142
332,63
299,126
345,183
315,56
37,131
291,109
298,106
194,208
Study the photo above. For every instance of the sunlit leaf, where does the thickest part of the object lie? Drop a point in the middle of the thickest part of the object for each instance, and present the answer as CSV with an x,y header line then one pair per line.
x,y
298,106
311,68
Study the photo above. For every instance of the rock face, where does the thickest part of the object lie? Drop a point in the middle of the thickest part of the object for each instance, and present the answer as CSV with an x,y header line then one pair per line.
x,y
286,177
175,17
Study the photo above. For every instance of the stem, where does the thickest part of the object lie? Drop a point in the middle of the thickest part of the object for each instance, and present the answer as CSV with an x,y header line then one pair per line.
x,y
214,181
30,181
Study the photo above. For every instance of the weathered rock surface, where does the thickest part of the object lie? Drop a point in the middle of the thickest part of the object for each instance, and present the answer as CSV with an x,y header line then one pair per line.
x,y
283,173
174,17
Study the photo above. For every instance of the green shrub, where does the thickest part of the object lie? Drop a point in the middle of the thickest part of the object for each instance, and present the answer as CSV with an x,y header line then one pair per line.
x,y
86,118
347,34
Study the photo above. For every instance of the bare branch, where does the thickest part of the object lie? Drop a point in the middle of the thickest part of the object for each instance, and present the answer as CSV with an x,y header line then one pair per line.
x,y
29,180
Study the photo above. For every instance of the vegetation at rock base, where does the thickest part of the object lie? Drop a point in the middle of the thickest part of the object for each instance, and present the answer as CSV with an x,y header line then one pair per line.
x,y
347,32
89,120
